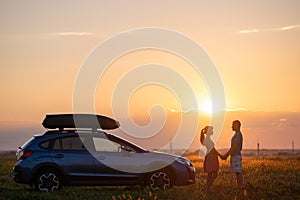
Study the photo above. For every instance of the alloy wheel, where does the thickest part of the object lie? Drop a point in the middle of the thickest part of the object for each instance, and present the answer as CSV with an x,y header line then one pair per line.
x,y
160,181
48,181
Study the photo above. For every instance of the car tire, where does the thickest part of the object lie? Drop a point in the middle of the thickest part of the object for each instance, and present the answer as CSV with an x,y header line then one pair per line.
x,y
160,180
47,181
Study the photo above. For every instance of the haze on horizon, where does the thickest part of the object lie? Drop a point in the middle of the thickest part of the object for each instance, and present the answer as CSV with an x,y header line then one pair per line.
x,y
254,46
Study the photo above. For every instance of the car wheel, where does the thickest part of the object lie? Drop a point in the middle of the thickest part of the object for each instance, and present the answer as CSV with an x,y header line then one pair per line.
x,y
47,181
160,180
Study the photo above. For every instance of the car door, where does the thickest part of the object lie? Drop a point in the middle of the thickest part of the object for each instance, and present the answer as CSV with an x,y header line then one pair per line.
x,y
115,163
71,155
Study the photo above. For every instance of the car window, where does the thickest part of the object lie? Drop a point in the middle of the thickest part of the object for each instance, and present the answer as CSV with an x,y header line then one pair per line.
x,y
27,142
72,143
45,145
57,145
103,144
68,143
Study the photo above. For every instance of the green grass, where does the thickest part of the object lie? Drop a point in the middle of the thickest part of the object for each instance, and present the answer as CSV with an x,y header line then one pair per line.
x,y
265,178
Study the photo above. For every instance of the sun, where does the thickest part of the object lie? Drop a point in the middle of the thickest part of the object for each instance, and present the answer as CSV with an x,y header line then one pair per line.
x,y
206,105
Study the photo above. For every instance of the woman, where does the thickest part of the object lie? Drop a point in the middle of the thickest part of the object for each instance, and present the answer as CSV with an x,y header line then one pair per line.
x,y
211,162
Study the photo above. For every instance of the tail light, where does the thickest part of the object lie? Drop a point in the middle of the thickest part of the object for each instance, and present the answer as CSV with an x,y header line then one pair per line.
x,y
21,155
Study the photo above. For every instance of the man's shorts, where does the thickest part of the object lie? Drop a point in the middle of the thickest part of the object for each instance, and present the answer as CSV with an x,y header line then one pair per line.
x,y
235,163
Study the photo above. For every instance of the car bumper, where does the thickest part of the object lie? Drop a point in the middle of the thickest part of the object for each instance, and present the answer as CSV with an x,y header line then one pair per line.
x,y
186,177
21,175
17,174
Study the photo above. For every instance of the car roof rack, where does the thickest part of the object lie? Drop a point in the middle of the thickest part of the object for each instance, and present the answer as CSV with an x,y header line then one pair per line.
x,y
72,131
79,121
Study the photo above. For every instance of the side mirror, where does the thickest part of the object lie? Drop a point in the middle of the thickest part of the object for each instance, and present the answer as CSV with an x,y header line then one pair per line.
x,y
126,148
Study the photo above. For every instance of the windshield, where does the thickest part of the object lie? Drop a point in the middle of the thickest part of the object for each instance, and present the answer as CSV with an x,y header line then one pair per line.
x,y
124,142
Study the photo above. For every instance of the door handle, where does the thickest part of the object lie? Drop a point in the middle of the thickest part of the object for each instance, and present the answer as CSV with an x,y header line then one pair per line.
x,y
101,157
59,155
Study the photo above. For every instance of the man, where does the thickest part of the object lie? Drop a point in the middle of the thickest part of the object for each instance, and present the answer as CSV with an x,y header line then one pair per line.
x,y
235,153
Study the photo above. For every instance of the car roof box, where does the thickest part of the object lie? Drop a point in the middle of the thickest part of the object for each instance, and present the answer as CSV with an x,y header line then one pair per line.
x,y
92,121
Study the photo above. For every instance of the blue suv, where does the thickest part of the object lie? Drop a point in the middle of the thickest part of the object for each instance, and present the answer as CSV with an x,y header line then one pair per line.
x,y
76,152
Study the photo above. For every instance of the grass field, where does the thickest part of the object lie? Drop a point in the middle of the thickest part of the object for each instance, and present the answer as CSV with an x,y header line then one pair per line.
x,y
265,178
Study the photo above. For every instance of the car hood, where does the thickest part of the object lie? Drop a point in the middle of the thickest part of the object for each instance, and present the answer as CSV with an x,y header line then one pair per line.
x,y
156,160
166,155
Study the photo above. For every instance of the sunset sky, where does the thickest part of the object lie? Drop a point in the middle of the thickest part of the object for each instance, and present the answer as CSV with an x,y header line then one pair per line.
x,y
255,46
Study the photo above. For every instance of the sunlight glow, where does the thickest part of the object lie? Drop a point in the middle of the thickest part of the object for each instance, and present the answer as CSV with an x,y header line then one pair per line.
x,y
206,106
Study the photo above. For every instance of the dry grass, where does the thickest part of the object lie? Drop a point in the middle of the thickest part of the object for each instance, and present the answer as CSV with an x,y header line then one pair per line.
x,y
265,178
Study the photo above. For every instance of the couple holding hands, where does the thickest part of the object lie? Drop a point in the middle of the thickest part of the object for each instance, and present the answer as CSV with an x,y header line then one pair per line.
x,y
211,162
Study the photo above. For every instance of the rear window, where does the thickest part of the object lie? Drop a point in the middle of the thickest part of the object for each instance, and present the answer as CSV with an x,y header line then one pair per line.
x,y
27,142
